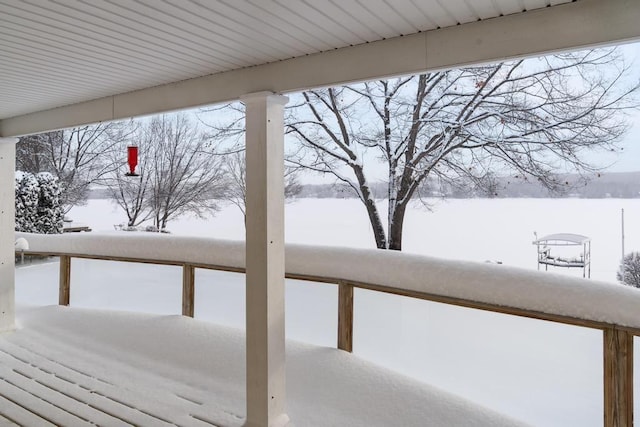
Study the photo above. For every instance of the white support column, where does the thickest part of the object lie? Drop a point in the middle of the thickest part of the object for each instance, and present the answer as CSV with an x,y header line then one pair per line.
x,y
7,233
266,400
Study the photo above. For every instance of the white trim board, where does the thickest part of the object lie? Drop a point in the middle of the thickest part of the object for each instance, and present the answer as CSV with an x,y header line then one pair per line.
x,y
581,24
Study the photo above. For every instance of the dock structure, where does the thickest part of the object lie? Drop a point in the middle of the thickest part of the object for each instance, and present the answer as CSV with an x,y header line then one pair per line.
x,y
547,256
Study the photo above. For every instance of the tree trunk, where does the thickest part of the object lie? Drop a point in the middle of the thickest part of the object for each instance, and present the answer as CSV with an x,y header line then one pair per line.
x,y
396,226
372,209
376,224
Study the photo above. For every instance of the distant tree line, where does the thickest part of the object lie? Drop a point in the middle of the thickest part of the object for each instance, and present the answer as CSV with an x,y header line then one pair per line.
x,y
601,185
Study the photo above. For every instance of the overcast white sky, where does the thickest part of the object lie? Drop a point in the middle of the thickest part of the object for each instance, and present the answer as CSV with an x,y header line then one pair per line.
x,y
629,159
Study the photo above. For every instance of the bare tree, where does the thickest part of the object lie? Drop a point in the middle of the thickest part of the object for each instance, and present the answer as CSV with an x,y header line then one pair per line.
x,y
131,192
183,175
32,154
227,132
236,167
78,157
530,119
292,186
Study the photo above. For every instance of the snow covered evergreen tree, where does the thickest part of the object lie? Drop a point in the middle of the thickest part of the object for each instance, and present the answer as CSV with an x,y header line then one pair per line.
x,y
50,211
38,208
21,223
27,196
629,272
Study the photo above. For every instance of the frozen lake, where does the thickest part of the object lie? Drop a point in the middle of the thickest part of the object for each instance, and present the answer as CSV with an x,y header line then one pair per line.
x,y
543,373
474,229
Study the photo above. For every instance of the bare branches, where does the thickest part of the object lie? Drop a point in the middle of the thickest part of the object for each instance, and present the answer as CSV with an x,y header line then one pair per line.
x,y
79,157
535,118
235,166
177,174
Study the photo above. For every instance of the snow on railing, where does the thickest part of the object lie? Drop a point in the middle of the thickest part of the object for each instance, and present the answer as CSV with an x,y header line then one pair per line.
x,y
589,302
610,307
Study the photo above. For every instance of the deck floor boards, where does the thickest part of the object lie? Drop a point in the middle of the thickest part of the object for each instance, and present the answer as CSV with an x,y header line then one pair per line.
x,y
38,390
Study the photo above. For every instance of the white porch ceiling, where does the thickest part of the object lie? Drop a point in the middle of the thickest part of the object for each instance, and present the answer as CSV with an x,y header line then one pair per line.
x,y
103,59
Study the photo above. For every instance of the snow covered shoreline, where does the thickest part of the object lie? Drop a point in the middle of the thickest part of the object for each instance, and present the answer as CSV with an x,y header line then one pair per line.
x,y
485,283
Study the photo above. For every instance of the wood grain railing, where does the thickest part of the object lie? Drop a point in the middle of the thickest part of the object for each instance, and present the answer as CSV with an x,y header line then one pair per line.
x,y
617,339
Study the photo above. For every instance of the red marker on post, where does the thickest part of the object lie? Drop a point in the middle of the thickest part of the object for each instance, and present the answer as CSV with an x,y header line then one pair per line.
x,y
132,157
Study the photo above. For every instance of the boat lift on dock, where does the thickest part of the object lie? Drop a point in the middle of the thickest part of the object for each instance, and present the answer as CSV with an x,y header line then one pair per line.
x,y
547,258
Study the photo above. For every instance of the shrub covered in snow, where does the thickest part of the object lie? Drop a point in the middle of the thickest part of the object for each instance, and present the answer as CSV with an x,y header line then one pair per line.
x,y
50,213
629,271
38,208
27,195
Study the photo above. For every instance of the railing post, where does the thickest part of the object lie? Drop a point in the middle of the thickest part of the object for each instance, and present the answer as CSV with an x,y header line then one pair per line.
x,y
65,280
188,289
345,316
618,378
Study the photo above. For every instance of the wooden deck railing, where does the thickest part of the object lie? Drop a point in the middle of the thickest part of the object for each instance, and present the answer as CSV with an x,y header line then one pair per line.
x,y
617,340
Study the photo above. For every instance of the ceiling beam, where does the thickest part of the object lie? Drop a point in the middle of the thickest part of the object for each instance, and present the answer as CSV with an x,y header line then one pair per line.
x,y
584,23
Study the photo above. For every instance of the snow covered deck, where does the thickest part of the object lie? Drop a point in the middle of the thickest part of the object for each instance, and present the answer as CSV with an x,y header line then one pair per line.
x,y
339,389
73,367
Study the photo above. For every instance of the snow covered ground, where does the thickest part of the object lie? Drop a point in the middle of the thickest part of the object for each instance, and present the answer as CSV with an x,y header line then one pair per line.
x,y
543,373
